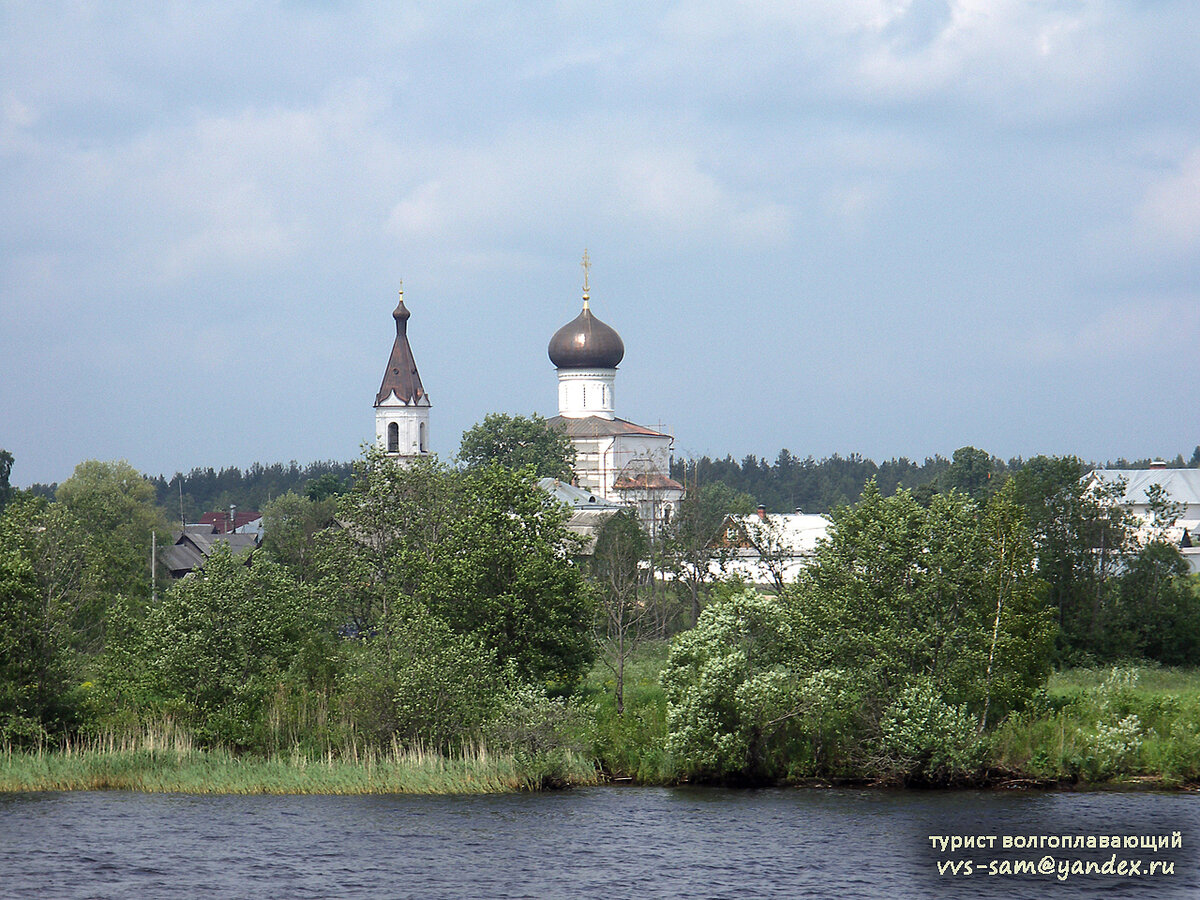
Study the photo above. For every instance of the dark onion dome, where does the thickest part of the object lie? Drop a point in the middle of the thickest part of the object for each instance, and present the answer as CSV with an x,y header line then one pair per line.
x,y
586,343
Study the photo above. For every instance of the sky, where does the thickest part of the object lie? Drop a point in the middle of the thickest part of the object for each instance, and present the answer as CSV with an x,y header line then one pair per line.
x,y
886,227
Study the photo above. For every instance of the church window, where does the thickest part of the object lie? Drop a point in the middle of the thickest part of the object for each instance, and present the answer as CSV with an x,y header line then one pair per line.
x,y
585,396
393,438
422,433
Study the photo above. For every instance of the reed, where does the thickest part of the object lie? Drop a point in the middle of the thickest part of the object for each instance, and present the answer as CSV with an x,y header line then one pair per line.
x,y
164,759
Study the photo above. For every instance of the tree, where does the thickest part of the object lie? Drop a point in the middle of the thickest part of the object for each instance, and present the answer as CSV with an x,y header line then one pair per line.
x,y
948,592
394,525
112,505
731,687
1155,610
324,487
691,534
516,442
290,527
621,546
1080,535
35,666
486,550
221,641
504,574
420,682
970,473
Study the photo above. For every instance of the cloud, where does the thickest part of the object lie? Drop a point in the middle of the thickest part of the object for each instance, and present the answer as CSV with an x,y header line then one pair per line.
x,y
1147,327
599,170
1168,217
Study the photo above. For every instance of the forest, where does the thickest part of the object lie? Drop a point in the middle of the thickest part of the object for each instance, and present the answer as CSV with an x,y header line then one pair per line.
x,y
942,635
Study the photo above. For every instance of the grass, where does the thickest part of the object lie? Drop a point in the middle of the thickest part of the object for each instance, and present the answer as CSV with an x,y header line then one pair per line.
x,y
166,760
1116,725
630,746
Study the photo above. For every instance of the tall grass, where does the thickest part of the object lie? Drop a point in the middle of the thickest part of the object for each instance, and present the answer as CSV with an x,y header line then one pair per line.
x,y
1137,724
631,746
164,759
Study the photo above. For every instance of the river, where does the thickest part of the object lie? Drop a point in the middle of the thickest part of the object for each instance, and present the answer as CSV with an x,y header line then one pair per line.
x,y
603,842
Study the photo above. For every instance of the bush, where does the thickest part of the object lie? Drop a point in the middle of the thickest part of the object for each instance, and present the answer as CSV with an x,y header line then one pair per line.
x,y
925,739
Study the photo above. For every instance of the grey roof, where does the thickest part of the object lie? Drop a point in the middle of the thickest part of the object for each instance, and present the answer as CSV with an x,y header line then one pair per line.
x,y
595,426
196,543
575,497
1181,485
589,511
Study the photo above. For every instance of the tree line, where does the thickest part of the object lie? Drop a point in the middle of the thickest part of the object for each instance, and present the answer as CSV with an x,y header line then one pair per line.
x,y
436,606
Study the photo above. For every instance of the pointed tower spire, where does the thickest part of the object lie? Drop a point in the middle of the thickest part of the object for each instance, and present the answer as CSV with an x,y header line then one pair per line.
x,y
402,406
401,376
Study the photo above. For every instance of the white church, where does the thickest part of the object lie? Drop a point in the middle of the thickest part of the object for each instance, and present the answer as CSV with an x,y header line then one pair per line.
x,y
616,460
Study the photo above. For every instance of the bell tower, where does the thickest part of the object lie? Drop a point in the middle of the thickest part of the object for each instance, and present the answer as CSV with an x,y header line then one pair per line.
x,y
402,406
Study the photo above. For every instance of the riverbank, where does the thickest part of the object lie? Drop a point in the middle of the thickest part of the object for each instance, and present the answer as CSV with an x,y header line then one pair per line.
x,y
160,769
1124,728
1134,728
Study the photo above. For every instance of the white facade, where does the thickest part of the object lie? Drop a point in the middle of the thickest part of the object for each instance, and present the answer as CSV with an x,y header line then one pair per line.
x,y
586,392
402,429
768,549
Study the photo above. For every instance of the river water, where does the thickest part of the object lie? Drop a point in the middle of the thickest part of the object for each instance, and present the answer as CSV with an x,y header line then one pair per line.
x,y
603,842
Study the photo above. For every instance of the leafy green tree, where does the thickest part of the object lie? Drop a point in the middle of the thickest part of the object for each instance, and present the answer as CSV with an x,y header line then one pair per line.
x,y
621,546
516,442
112,506
37,698
291,524
505,575
486,550
970,473
1155,612
395,523
1080,535
324,487
221,640
731,688
948,592
421,683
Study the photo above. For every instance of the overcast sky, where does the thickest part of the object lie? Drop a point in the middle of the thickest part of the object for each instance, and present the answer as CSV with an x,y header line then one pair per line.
x,y
873,226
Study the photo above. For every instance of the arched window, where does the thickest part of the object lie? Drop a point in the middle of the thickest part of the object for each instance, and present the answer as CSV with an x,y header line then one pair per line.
x,y
393,438
421,432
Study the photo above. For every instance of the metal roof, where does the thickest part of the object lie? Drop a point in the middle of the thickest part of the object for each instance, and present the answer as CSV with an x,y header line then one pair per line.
x,y
401,377
586,343
1181,485
595,426
575,497
652,481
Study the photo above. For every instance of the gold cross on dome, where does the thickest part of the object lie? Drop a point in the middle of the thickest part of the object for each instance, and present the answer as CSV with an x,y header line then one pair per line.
x,y
587,265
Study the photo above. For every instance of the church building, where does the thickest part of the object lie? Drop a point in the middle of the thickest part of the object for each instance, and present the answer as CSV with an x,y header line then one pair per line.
x,y
402,406
614,458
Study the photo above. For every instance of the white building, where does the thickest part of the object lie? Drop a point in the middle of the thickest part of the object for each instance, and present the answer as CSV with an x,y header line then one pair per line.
x,y
402,406
1181,486
767,548
614,459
